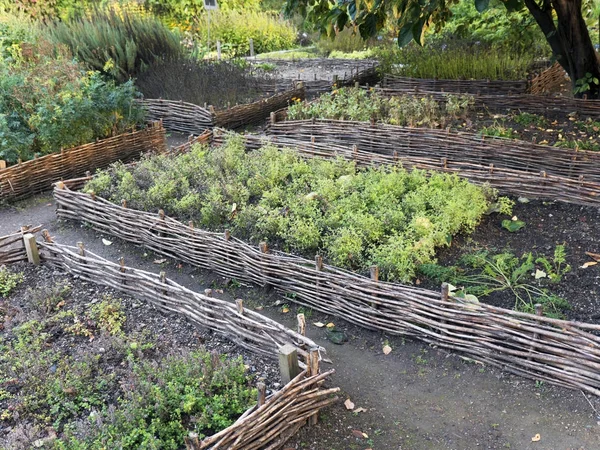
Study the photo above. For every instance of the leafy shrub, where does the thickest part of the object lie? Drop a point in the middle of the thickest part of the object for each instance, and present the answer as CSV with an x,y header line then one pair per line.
x,y
235,28
117,43
386,216
183,12
362,105
346,41
52,103
197,82
8,281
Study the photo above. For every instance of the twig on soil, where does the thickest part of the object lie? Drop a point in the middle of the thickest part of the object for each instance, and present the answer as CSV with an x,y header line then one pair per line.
x,y
588,400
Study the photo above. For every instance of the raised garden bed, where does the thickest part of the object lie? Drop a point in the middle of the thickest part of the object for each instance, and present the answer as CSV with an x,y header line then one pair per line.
x,y
270,423
562,352
30,177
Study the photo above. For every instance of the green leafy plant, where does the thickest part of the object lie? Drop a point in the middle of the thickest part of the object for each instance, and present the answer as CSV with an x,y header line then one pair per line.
x,y
386,216
527,119
498,130
363,105
513,225
8,281
585,83
482,273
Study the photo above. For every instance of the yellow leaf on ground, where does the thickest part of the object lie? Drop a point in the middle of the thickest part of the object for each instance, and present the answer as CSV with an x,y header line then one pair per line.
x,y
319,324
285,310
330,325
536,438
348,404
588,264
387,349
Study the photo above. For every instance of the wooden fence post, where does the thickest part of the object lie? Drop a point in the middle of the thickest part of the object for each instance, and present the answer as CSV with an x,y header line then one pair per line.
x,y
313,369
218,50
240,306
288,363
539,311
262,393
2,164
301,324
264,249
374,277
251,48
33,255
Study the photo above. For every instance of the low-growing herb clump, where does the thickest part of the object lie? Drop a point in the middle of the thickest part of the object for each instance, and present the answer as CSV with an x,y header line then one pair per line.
x,y
79,375
363,105
387,216
8,281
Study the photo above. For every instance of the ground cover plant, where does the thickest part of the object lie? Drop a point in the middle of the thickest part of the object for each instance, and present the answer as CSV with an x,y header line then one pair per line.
x,y
363,105
78,371
49,101
386,216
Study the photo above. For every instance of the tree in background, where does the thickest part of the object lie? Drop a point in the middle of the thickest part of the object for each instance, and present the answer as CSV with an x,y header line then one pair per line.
x,y
561,21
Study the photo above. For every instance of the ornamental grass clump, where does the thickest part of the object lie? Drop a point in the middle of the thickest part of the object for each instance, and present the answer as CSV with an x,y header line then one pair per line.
x,y
387,216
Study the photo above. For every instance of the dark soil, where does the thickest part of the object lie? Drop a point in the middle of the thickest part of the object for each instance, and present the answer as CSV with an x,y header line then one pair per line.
x,y
566,132
547,225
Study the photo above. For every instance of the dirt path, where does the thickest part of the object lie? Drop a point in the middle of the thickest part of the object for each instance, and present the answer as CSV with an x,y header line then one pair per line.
x,y
417,397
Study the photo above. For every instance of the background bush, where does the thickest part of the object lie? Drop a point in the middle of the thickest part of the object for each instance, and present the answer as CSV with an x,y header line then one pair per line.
x,y
49,101
118,43
386,216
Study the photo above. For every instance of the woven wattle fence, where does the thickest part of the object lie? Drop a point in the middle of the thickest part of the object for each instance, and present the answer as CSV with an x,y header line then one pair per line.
x,y
274,419
560,352
536,104
487,87
242,115
512,166
12,247
194,119
30,177
553,79
178,115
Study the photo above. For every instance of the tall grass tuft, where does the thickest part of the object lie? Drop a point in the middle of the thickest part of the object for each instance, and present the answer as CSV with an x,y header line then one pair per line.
x,y
120,44
456,60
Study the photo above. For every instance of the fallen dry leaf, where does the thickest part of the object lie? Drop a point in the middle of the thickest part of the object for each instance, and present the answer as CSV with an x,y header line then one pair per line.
x,y
106,241
348,404
359,410
330,325
219,291
594,256
358,433
285,310
319,324
259,308
159,261
588,264
536,438
387,349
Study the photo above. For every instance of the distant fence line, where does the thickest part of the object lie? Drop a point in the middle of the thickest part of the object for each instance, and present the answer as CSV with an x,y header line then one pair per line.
x,y
512,166
551,106
274,419
488,87
565,353
30,177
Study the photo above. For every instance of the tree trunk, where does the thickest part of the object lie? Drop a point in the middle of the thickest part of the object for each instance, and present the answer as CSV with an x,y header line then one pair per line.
x,y
578,48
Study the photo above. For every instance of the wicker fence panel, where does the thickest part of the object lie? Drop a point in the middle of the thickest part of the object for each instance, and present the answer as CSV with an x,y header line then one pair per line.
x,y
487,87
37,175
12,248
560,352
508,181
272,424
248,329
536,104
253,113
553,79
515,166
179,116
